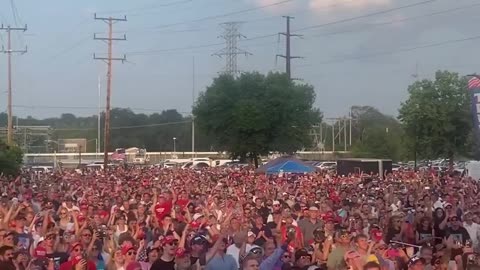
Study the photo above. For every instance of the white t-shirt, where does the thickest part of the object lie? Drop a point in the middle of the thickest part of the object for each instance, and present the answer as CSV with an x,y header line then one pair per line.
x,y
473,230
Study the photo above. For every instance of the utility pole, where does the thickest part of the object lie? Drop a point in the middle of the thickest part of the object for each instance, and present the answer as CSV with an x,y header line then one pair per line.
x,y
288,57
108,60
231,35
9,52
193,104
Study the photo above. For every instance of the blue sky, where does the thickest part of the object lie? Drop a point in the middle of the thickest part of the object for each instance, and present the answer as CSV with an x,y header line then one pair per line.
x,y
364,61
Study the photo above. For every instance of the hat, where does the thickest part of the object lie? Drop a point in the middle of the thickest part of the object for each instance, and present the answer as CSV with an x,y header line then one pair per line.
x,y
74,245
300,253
250,233
126,248
169,239
181,252
198,240
39,252
276,203
9,233
415,260
447,204
313,208
197,216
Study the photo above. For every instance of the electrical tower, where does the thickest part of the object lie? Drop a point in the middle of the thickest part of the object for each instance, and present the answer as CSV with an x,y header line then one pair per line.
x,y
108,60
231,35
9,52
288,57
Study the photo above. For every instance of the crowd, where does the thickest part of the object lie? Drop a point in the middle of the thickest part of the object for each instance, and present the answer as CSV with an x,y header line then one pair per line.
x,y
133,218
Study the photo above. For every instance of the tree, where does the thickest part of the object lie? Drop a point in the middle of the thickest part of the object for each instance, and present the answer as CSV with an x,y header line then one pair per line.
x,y
377,135
11,158
254,114
129,129
437,117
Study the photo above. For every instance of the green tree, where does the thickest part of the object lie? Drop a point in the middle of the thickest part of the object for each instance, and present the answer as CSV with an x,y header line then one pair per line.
x,y
254,114
377,135
11,158
437,117
129,129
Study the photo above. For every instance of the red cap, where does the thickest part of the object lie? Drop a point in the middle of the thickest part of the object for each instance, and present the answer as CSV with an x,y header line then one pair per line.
x,y
169,239
80,218
74,245
126,248
40,252
181,252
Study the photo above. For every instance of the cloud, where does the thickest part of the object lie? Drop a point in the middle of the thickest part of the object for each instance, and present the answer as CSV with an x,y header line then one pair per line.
x,y
346,4
317,5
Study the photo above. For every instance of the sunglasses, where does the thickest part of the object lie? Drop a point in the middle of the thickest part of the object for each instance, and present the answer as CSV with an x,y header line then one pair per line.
x,y
78,250
130,253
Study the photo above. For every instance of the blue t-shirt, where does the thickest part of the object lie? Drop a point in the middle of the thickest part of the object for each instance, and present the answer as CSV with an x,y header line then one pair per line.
x,y
225,262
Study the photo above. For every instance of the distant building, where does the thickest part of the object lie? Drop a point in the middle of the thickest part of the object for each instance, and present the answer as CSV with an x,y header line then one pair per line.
x,y
72,145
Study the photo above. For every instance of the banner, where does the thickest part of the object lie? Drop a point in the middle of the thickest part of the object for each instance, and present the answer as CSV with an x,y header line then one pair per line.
x,y
474,89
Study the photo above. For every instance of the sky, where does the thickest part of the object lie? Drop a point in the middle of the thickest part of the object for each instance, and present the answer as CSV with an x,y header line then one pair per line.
x,y
355,52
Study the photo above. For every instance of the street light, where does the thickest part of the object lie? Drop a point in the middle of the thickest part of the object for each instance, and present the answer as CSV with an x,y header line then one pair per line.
x,y
415,139
174,145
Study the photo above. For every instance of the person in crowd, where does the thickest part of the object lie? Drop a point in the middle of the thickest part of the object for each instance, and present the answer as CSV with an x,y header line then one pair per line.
x,y
153,218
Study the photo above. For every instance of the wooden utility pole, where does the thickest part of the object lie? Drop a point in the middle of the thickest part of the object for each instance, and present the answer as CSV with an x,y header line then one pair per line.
x,y
9,52
108,60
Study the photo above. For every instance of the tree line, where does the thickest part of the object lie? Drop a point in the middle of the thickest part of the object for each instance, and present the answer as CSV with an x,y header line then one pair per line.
x,y
255,114
155,132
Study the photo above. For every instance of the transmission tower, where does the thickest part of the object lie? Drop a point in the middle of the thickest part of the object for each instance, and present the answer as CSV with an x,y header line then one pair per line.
x,y
231,35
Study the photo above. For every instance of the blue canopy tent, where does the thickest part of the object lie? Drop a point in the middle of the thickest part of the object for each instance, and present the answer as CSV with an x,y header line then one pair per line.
x,y
286,165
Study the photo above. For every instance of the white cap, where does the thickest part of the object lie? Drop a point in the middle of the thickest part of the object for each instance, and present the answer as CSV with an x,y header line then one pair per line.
x,y
276,203
197,216
250,233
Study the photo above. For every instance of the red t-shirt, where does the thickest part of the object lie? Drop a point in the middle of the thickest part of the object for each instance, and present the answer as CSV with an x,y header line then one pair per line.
x,y
163,209
182,203
68,266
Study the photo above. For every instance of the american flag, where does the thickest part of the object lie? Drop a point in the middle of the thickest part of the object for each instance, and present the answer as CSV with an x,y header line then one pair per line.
x,y
474,83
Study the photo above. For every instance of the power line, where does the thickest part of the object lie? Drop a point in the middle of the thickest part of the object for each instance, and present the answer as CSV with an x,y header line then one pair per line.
x,y
235,13
373,25
431,45
127,127
149,8
14,12
365,15
225,14
275,34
